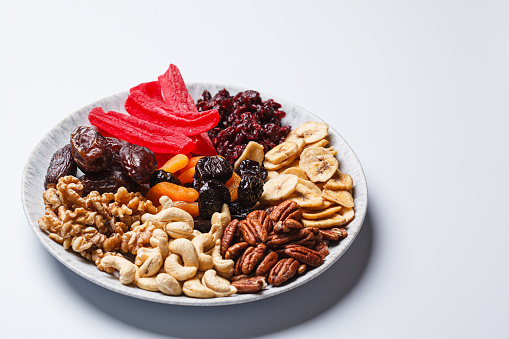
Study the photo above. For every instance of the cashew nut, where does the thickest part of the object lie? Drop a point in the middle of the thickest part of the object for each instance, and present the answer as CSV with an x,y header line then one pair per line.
x,y
219,221
178,223
185,250
220,286
168,284
200,242
125,268
194,288
148,284
224,267
159,241
151,266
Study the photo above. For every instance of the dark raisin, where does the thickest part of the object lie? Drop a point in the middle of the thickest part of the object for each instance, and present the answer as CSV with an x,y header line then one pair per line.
x,y
138,162
115,146
106,181
238,210
213,194
212,167
61,164
163,176
249,167
90,150
250,190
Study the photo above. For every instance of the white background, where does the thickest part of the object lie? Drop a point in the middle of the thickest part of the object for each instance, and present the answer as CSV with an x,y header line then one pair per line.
x,y
419,89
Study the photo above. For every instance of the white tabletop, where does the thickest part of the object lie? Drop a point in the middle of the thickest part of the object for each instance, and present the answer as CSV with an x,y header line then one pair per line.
x,y
417,88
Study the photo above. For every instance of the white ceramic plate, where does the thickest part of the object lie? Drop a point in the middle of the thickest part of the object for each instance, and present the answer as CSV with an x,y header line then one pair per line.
x,y
35,171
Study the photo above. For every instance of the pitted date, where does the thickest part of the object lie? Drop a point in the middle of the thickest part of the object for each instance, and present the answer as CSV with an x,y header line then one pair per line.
x,y
106,181
138,162
115,146
61,164
90,150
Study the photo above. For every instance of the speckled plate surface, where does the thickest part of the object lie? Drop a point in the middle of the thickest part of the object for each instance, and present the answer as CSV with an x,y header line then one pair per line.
x,y
35,171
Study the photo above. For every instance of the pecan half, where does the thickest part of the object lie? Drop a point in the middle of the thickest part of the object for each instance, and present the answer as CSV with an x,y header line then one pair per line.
x,y
253,231
267,263
277,240
249,285
286,209
248,233
287,225
235,250
283,270
304,255
252,257
322,248
334,233
228,235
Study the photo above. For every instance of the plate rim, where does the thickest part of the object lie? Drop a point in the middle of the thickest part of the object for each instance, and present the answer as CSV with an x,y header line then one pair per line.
x,y
184,300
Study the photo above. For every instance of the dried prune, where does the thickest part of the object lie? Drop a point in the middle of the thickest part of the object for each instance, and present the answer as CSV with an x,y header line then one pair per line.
x,y
115,146
61,164
163,176
263,173
212,167
249,167
106,181
213,194
202,225
238,210
138,162
250,190
90,150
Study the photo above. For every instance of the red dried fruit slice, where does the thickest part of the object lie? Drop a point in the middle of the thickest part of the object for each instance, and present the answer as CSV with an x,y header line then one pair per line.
x,y
143,107
203,145
140,132
174,90
151,89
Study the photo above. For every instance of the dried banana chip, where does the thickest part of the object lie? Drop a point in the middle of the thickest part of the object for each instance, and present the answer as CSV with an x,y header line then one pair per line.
x,y
310,185
318,163
253,151
347,213
319,143
273,167
325,204
297,171
279,188
282,152
272,175
303,196
331,221
340,182
344,198
321,214
310,131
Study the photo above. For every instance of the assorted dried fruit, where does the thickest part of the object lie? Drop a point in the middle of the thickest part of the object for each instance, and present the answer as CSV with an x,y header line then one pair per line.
x,y
239,203
243,118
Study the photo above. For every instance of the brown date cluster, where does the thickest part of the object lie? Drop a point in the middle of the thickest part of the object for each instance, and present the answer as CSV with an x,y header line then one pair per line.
x,y
273,246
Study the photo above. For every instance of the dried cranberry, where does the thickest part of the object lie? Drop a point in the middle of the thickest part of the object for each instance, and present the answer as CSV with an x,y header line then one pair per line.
x,y
242,118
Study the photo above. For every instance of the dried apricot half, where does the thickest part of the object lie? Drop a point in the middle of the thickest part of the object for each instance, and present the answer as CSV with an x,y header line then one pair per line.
x,y
172,191
176,163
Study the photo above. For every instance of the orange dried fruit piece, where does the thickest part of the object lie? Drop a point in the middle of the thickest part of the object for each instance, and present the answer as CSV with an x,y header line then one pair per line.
x,y
189,207
233,186
187,176
192,162
172,191
176,163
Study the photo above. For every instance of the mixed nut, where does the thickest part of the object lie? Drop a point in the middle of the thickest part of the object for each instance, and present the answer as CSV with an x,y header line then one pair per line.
x,y
241,201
